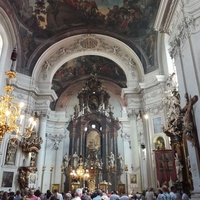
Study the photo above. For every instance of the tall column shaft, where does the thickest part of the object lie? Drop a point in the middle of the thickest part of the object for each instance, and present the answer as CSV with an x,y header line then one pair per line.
x,y
41,154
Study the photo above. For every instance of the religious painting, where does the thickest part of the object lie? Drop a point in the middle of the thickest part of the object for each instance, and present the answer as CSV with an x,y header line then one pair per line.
x,y
55,187
133,178
32,180
7,179
157,125
165,166
93,140
159,143
121,189
103,187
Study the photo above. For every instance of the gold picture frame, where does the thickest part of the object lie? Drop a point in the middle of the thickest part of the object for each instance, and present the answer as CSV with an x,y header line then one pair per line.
x,y
133,178
121,189
102,187
55,187
7,179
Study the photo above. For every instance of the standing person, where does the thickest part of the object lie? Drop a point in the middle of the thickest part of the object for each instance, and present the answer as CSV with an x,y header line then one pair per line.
x,y
85,196
17,195
48,195
99,194
68,196
159,193
114,195
78,194
165,195
32,195
104,196
185,195
38,194
57,195
142,197
123,196
5,196
150,194
173,192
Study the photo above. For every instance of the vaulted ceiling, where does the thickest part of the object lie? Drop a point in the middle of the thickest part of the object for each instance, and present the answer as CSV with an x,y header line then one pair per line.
x,y
41,23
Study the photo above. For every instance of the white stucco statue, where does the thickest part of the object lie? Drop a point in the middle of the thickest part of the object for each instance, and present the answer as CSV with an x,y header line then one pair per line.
x,y
75,159
66,160
178,168
120,160
112,159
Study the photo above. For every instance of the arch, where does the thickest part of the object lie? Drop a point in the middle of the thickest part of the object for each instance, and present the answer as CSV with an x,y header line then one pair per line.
x,y
63,51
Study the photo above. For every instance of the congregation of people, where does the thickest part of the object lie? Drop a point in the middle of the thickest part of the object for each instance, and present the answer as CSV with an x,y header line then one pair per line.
x,y
163,193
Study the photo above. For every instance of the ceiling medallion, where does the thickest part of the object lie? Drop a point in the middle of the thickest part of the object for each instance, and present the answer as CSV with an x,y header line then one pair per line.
x,y
88,42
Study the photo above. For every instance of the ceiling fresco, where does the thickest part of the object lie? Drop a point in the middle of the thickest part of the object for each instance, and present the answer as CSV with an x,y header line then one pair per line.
x,y
129,20
84,66
130,17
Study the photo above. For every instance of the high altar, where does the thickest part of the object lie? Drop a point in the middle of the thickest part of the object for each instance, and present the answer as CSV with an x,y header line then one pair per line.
x,y
93,138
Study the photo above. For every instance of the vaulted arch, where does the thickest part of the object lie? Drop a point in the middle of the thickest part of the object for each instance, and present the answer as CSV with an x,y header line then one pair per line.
x,y
100,45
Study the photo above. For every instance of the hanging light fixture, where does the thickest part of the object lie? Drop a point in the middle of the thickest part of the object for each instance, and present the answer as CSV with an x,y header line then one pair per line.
x,y
10,113
80,172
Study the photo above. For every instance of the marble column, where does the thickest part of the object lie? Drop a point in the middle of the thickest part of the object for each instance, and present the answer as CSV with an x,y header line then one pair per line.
x,y
135,148
41,154
149,157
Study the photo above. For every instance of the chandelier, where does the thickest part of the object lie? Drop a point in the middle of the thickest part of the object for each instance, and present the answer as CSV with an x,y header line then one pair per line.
x,y
80,172
11,119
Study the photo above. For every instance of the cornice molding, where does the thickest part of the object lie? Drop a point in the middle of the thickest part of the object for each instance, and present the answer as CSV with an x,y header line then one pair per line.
x,y
165,15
